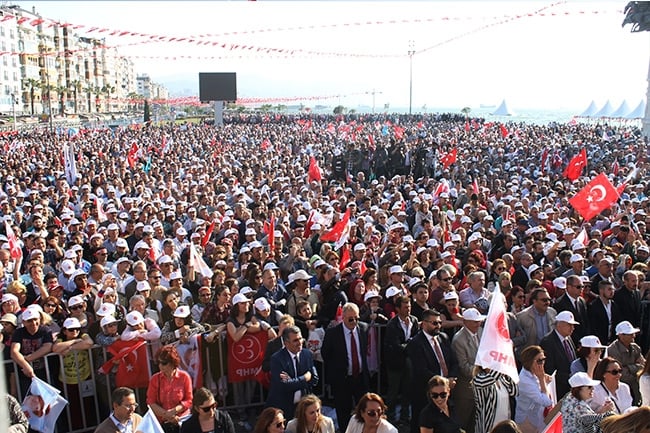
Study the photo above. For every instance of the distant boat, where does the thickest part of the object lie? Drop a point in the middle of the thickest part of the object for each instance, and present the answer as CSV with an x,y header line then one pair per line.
x,y
488,106
503,110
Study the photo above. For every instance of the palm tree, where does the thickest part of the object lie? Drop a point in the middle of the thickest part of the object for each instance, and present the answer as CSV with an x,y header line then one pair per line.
x,y
89,90
466,111
61,91
134,98
31,84
75,87
107,90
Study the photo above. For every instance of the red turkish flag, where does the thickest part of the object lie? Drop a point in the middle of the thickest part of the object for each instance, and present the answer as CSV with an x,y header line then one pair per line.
x,y
132,370
339,230
14,249
345,257
504,131
314,171
577,163
131,156
555,426
449,158
596,196
475,188
615,168
208,234
245,356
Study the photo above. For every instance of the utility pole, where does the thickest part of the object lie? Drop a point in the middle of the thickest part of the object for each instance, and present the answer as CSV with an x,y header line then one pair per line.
x,y
373,93
411,51
13,110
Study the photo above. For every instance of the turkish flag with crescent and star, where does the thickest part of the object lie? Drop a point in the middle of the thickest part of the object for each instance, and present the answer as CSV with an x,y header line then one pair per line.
x,y
132,366
576,165
596,196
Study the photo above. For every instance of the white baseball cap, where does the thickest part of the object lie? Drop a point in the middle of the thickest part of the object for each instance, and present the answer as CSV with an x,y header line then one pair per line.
x,y
591,341
262,304
75,300
107,320
451,295
106,309
473,315
392,291
245,290
626,328
182,311
239,298
560,282
142,285
396,269
582,379
134,317
566,316
71,323
29,314
371,294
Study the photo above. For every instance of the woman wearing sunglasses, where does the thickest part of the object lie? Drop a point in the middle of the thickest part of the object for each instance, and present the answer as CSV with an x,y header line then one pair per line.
x,y
271,420
205,415
534,395
369,416
438,416
577,416
608,371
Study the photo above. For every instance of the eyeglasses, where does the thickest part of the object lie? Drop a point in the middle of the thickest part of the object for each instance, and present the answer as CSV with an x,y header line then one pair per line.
x,y
206,295
434,322
374,413
155,277
352,319
208,408
76,307
280,424
579,286
161,362
614,372
500,269
51,305
74,329
435,395
133,406
540,361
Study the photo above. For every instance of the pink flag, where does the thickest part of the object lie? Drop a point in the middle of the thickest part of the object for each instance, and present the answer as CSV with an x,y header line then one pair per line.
x,y
495,349
14,249
583,237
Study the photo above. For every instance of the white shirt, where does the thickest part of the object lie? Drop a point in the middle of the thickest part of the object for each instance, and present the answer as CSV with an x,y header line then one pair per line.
x,y
622,398
348,334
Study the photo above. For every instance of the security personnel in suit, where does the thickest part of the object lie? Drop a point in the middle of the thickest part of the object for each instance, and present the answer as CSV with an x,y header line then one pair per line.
x,y
399,330
344,356
573,302
424,351
293,374
560,351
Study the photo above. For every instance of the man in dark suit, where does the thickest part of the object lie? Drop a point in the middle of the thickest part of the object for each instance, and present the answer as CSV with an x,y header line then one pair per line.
x,y
560,351
573,302
425,362
293,374
399,330
346,368
603,313
123,415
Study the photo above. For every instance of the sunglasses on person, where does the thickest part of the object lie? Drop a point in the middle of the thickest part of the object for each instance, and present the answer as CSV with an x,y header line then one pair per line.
x,y
51,305
435,395
614,372
207,409
76,307
352,319
280,424
374,413
74,329
540,361
161,362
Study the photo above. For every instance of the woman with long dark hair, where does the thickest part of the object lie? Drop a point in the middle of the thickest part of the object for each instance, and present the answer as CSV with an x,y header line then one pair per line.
x,y
206,418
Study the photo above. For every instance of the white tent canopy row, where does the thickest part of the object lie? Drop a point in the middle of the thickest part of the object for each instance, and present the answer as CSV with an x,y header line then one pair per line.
x,y
608,111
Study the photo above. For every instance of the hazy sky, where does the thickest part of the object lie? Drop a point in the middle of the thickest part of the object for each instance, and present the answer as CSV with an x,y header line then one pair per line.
x,y
535,54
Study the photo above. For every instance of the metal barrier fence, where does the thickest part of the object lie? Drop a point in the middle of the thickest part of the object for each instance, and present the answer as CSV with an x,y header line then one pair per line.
x,y
89,403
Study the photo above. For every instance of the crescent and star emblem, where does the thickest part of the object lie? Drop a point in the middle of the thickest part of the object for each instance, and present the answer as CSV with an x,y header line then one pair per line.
x,y
596,193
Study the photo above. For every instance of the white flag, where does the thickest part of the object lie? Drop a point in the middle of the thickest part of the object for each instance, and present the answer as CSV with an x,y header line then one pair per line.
x,y
70,163
43,405
149,424
198,264
495,349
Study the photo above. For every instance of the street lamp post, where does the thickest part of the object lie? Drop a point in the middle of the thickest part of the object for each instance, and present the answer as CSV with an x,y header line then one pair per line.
x,y
373,93
49,96
410,53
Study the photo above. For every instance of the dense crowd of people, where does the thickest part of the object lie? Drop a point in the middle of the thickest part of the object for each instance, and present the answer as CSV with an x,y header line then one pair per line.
x,y
359,246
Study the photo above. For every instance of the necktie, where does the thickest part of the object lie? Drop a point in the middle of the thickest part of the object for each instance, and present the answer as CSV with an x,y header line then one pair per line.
x,y
295,364
298,393
354,355
569,350
441,357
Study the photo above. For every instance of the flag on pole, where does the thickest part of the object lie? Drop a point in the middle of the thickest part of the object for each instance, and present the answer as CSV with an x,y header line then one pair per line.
x,y
576,165
583,237
596,196
197,262
475,188
149,424
70,164
208,234
131,157
101,215
495,348
449,158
